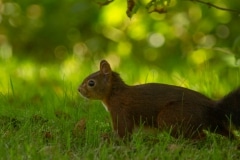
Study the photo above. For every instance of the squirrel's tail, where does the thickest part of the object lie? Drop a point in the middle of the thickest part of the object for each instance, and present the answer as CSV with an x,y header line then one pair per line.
x,y
230,107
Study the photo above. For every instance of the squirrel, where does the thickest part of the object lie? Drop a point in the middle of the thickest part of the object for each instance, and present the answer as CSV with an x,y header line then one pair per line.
x,y
182,111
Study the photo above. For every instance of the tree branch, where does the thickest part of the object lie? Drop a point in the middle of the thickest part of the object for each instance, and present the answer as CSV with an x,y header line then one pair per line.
x,y
215,6
104,3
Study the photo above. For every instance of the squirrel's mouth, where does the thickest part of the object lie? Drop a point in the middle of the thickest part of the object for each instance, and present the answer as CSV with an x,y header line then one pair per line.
x,y
83,92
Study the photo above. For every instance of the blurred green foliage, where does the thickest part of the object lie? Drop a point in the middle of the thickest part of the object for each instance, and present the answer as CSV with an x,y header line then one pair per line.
x,y
189,35
53,29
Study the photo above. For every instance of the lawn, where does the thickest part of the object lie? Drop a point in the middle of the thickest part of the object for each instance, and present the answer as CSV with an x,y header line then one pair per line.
x,y
43,117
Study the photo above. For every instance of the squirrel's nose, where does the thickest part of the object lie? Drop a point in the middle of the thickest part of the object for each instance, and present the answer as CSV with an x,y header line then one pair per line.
x,y
79,89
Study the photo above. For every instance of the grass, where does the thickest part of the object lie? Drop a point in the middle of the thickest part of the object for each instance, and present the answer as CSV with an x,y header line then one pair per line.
x,y
43,117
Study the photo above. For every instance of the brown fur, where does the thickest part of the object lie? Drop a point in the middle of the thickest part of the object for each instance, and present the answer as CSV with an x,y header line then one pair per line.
x,y
182,111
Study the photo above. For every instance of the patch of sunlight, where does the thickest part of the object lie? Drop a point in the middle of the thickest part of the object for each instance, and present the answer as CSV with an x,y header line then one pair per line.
x,y
124,48
5,48
181,19
113,14
230,60
144,1
138,29
148,75
10,9
200,56
195,13
69,67
162,27
27,71
114,60
208,41
44,72
4,80
113,33
181,23
13,10
227,56
80,50
156,40
179,80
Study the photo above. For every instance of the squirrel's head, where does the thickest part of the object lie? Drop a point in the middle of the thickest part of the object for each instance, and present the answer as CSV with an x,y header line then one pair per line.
x,y
97,85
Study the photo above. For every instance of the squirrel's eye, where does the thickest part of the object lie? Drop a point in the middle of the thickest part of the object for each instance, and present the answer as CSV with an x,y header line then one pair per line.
x,y
91,83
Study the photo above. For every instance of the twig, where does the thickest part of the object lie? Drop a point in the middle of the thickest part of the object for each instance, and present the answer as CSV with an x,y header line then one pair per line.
x,y
104,3
130,7
215,6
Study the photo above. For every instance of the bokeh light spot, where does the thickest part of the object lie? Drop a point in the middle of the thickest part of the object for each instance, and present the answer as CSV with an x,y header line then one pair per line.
x,y
222,31
124,49
156,40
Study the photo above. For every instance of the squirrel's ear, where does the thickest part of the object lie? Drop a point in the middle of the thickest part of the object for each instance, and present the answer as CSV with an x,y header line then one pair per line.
x,y
105,67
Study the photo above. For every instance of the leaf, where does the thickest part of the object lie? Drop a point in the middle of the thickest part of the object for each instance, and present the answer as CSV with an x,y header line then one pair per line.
x,y
159,6
131,8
